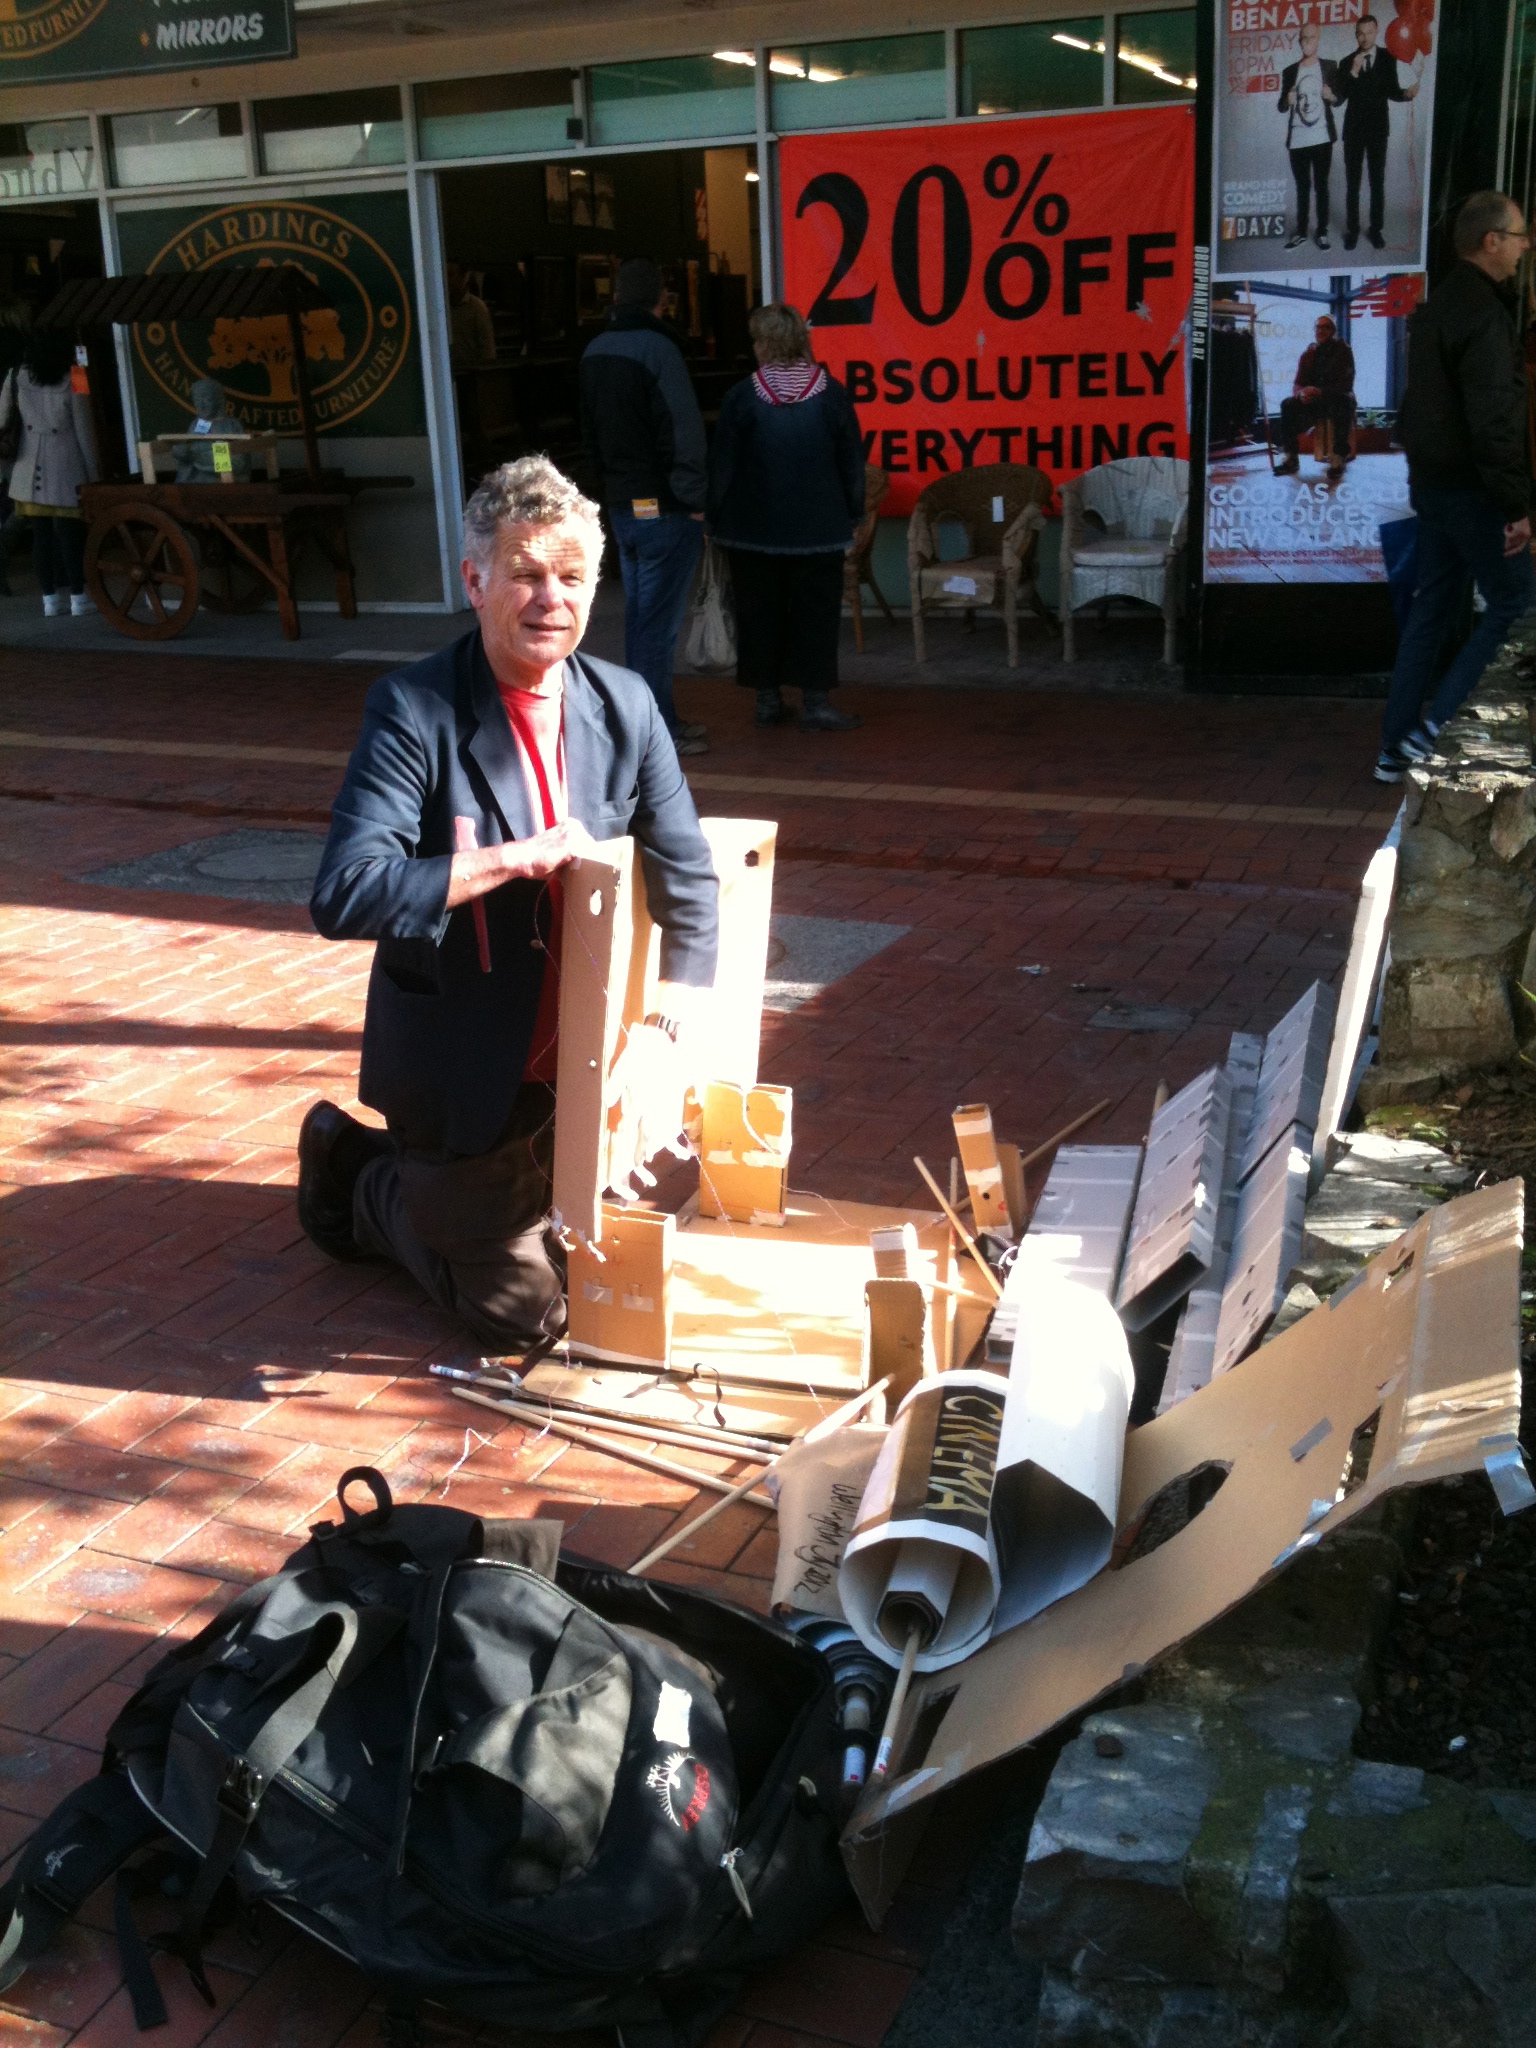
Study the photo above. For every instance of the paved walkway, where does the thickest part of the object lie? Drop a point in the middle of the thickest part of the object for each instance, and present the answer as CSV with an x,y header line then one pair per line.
x,y
182,1377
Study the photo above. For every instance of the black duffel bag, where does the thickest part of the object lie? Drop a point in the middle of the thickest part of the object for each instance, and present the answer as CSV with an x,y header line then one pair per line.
x,y
542,1793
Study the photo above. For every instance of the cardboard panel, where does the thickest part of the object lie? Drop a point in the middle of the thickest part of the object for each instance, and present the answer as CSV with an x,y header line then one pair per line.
x,y
977,1144
788,1305
608,984
744,1152
1173,1229
1194,1342
1357,998
620,1290
1266,1243
1291,1077
899,1349
1427,1334
595,958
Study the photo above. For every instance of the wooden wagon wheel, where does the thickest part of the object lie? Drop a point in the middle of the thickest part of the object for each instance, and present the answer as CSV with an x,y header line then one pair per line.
x,y
142,573
229,582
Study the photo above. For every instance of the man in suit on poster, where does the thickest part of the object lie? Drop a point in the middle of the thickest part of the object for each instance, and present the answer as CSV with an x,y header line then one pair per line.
x,y
1367,83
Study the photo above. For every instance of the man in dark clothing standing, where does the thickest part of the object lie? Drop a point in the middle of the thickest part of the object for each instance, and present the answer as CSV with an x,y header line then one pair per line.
x,y
1367,83
1464,427
642,427
1324,389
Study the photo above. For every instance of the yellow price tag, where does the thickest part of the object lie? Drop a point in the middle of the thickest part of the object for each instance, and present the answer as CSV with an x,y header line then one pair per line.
x,y
223,462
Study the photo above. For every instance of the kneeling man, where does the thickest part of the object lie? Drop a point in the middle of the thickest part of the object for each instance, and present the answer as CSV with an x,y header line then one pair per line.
x,y
479,774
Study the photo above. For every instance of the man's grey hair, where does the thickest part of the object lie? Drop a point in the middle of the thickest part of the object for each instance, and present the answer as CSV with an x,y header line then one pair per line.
x,y
1483,214
528,492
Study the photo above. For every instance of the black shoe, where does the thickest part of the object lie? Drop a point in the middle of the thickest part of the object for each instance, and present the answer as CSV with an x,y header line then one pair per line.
x,y
771,709
817,715
1323,239
1351,236
333,1150
1391,765
1290,466
1297,239
691,732
1376,238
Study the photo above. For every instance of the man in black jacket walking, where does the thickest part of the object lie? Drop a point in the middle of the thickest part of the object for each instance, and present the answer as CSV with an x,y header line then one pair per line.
x,y
1464,427
644,432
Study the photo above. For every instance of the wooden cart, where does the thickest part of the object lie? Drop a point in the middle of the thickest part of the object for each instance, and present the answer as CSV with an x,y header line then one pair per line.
x,y
155,551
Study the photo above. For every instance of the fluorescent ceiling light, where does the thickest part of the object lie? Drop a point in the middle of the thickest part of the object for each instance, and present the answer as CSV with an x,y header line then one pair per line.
x,y
190,115
734,57
752,178
1074,42
1152,65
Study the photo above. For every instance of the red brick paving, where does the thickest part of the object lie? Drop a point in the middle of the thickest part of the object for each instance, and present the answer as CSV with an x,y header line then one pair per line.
x,y
182,1376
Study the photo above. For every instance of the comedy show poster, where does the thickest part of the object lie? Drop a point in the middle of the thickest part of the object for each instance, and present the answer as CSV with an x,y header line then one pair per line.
x,y
1324,110
1001,291
1284,502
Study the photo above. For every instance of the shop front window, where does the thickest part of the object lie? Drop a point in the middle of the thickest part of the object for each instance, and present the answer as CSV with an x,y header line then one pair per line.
x,y
40,158
1155,56
671,101
521,114
1033,67
330,131
176,145
837,85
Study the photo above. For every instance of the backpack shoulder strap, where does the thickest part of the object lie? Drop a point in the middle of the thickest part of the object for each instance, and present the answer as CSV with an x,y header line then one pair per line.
x,y
75,1849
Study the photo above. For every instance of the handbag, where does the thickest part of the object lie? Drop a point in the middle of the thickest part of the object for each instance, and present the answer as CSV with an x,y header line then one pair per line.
x,y
711,641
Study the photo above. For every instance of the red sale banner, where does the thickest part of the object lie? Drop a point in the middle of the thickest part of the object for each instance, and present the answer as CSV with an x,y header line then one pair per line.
x,y
1013,291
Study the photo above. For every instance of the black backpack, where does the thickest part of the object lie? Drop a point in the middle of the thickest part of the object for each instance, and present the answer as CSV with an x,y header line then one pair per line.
x,y
543,1793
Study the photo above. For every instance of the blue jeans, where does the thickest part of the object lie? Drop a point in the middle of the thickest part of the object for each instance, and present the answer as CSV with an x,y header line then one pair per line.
x,y
657,558
1461,535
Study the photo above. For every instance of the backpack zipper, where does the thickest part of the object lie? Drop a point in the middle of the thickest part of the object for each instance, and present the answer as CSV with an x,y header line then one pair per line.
x,y
738,1884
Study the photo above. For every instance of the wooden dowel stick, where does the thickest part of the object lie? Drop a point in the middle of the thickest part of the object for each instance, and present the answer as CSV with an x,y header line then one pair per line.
x,y
882,1767
591,1442
1066,1131
814,1435
721,1443
965,1236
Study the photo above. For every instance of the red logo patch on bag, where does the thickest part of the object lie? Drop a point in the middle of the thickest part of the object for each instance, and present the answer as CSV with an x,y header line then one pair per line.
x,y
681,1783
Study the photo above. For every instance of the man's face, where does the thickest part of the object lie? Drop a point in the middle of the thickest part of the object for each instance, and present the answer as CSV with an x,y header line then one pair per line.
x,y
1324,330
1311,35
1365,36
534,597
1507,249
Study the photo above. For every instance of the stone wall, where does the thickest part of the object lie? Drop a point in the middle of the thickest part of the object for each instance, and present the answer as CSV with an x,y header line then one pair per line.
x,y
1465,906
1212,1866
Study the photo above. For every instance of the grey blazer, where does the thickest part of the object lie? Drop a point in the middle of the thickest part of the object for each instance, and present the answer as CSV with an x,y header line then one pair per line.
x,y
58,444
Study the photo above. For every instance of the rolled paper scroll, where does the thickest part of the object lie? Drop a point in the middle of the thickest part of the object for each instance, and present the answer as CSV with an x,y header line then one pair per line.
x,y
922,1550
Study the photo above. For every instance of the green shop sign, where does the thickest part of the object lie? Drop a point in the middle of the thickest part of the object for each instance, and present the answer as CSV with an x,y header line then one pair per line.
x,y
360,351
44,40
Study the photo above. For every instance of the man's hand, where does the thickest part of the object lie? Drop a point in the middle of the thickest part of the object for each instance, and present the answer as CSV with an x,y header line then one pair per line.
x,y
526,860
1517,536
1285,104
1411,92
1310,392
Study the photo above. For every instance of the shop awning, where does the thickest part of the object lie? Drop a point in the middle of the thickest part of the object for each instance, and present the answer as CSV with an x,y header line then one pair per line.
x,y
228,292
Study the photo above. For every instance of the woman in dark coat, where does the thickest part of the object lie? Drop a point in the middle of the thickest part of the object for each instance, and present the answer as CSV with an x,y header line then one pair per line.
x,y
786,488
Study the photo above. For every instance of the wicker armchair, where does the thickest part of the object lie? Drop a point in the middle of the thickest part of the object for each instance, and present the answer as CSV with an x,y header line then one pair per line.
x,y
1001,506
1133,545
858,568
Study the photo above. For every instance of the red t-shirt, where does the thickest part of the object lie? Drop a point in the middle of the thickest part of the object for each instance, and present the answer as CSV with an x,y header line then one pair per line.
x,y
536,726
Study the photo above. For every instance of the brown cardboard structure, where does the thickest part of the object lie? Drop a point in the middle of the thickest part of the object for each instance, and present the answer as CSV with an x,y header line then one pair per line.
x,y
1426,1337
771,1287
